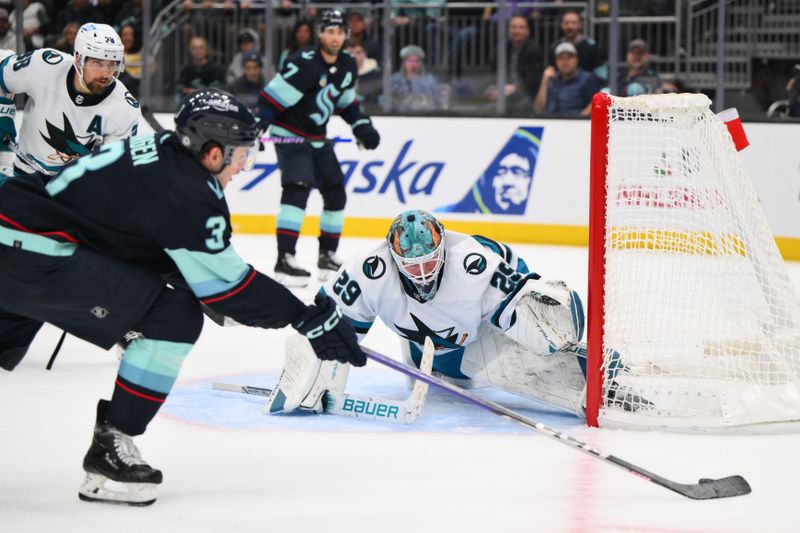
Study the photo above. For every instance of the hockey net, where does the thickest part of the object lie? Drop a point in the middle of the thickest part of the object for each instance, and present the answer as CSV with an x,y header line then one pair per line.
x,y
693,320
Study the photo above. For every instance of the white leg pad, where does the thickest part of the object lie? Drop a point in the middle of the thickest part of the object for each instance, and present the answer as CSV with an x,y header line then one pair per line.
x,y
556,379
546,320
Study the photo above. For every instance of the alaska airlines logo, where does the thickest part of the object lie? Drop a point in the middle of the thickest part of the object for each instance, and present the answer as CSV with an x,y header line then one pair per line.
x,y
325,104
66,143
505,185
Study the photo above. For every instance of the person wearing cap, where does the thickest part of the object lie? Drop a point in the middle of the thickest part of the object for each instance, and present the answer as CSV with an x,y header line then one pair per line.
x,y
639,78
8,39
566,89
246,41
247,86
412,88
589,54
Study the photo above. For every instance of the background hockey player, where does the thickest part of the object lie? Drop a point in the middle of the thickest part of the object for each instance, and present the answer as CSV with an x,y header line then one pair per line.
x,y
491,320
74,104
299,101
90,252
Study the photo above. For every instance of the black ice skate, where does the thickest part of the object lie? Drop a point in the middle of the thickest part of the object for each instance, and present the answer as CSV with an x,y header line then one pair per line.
x,y
115,471
288,272
328,264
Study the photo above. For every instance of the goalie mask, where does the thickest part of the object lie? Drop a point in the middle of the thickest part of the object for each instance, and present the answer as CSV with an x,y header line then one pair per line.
x,y
416,241
101,42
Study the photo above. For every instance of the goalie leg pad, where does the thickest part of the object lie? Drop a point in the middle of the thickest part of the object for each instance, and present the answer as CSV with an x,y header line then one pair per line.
x,y
558,379
304,379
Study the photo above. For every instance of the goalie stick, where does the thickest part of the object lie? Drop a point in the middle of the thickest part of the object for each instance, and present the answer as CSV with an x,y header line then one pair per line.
x,y
704,489
369,407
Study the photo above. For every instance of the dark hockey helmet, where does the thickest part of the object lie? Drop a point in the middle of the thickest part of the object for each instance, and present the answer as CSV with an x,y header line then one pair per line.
x,y
216,115
332,18
416,241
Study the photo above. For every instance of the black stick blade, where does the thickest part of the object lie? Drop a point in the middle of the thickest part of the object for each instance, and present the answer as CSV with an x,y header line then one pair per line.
x,y
708,489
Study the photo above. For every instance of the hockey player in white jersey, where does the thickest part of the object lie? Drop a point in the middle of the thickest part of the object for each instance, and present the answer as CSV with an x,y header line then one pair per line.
x,y
491,320
75,104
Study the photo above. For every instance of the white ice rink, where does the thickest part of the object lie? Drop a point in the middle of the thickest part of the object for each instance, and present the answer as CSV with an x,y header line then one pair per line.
x,y
229,468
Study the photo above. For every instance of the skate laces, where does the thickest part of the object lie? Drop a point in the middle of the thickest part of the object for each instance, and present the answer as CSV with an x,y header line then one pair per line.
x,y
126,450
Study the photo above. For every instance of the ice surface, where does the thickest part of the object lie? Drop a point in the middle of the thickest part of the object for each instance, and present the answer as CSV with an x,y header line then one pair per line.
x,y
228,467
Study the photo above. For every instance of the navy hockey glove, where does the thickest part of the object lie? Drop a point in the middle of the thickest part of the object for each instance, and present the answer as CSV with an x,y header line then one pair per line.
x,y
367,135
8,130
330,333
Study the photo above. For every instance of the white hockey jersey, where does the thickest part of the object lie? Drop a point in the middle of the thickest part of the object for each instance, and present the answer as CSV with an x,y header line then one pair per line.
x,y
481,278
61,124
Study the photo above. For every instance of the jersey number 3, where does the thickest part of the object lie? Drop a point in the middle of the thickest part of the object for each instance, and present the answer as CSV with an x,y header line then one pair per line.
x,y
216,225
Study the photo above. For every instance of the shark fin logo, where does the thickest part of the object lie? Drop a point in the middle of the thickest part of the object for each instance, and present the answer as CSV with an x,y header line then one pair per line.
x,y
67,143
505,185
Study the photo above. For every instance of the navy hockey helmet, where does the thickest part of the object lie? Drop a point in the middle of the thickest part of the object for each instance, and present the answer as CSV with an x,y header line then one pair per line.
x,y
332,18
416,241
216,115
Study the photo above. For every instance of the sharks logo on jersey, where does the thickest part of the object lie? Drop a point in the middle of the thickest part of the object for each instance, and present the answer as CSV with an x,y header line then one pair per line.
x,y
504,187
67,144
442,339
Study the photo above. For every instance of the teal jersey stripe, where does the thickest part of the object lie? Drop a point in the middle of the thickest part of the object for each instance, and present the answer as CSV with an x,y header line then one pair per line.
x,y
331,221
2,77
209,274
153,364
30,242
283,92
361,326
347,98
495,320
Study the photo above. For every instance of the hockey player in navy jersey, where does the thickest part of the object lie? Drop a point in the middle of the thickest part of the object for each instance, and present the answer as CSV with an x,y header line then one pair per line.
x,y
124,245
298,102
490,318
75,103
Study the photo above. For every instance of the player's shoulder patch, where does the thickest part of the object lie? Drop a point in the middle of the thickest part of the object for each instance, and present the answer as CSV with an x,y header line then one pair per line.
x,y
374,267
474,263
307,55
132,101
52,56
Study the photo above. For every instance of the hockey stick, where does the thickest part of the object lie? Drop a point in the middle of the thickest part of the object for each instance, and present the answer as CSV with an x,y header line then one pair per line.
x,y
704,489
147,115
26,157
370,407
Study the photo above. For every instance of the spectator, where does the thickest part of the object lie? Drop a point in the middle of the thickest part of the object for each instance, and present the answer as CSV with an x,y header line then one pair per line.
x,y
8,39
302,39
524,67
589,55
417,23
34,19
370,76
132,75
566,89
79,11
199,73
247,41
793,93
65,42
639,78
132,12
247,86
671,85
358,35
412,88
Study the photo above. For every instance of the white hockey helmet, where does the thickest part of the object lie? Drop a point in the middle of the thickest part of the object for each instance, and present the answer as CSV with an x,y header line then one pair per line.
x,y
98,41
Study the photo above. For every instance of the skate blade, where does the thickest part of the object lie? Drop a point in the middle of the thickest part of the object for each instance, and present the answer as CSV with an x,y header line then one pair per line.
x,y
292,281
98,488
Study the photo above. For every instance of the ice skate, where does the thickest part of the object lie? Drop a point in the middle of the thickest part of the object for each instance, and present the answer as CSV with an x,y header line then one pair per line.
x,y
288,272
115,470
328,264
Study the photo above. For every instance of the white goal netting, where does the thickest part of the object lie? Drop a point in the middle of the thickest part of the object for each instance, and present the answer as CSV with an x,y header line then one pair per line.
x,y
701,322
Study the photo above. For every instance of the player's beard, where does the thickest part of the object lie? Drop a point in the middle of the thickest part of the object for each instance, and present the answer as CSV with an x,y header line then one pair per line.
x,y
98,85
330,50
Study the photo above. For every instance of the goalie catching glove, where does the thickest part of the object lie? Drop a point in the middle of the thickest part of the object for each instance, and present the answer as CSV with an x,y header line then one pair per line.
x,y
330,333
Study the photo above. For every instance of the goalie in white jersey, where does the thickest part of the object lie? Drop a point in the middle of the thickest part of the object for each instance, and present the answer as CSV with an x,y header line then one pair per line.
x,y
74,104
490,319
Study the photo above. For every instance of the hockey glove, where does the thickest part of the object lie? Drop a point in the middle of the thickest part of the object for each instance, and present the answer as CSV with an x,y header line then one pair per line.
x,y
330,333
367,135
8,130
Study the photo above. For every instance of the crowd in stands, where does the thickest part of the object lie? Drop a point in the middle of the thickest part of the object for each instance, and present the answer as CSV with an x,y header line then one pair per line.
x,y
559,79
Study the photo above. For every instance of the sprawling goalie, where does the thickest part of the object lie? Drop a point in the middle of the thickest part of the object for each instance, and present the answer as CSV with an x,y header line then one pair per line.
x,y
491,319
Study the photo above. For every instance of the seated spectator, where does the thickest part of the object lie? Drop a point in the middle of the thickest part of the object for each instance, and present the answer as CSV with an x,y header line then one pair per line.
x,y
8,39
34,19
302,39
793,93
79,11
589,55
370,76
671,85
65,42
639,78
247,86
132,75
199,73
412,88
566,89
358,35
524,67
247,41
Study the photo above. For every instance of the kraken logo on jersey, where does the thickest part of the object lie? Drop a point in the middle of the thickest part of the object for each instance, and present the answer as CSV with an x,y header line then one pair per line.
x,y
67,144
474,264
504,187
374,267
445,338
325,104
